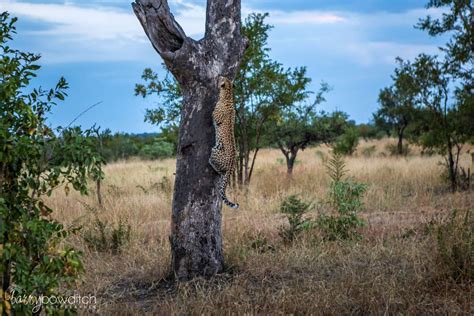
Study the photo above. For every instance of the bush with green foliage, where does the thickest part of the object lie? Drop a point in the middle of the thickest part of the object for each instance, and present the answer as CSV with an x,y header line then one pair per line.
x,y
294,209
105,238
34,161
394,149
344,197
347,143
157,150
455,244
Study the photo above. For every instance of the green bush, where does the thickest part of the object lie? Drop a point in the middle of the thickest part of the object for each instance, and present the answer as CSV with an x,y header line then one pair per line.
x,y
393,149
294,209
157,150
347,143
455,244
344,197
105,238
119,147
35,161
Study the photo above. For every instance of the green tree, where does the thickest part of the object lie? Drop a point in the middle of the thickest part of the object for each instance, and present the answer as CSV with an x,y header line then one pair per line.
x,y
300,125
443,125
34,161
347,142
458,23
370,131
263,88
168,98
397,103
447,87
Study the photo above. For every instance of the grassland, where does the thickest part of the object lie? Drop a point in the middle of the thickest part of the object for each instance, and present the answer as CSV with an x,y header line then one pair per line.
x,y
394,269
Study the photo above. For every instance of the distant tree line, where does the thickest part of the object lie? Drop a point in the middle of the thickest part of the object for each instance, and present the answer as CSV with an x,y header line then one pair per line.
x,y
122,146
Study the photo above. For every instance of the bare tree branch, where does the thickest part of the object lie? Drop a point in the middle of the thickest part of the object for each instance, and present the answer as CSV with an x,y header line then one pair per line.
x,y
165,34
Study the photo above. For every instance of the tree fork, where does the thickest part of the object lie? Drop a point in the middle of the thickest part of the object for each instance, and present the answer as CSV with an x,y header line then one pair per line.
x,y
196,237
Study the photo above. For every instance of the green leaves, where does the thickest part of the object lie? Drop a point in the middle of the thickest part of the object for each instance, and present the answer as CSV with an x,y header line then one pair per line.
x,y
294,209
344,197
167,94
34,161
457,22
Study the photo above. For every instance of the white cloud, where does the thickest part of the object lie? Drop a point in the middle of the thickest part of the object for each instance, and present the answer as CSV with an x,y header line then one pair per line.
x,y
102,32
94,33
89,23
363,39
307,17
99,22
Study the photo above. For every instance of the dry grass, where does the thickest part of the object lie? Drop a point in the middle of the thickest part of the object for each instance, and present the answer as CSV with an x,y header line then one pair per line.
x,y
389,271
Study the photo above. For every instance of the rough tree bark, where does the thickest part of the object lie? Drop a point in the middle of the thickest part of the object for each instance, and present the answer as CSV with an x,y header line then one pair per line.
x,y
196,239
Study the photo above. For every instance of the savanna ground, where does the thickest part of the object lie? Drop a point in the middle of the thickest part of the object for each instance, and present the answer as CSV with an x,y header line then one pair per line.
x,y
394,269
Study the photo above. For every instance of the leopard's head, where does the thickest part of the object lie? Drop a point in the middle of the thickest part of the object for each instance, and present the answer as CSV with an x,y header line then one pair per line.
x,y
224,83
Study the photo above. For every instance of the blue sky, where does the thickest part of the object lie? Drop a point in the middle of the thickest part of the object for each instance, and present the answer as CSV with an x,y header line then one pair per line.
x,y
100,48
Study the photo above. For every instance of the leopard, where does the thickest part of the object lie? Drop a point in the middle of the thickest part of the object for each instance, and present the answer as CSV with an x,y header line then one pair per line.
x,y
223,154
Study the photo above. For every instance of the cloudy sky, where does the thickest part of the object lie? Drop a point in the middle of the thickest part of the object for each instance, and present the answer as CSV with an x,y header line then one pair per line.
x,y
100,48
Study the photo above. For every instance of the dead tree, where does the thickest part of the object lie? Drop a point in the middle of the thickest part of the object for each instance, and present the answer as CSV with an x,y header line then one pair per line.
x,y
196,238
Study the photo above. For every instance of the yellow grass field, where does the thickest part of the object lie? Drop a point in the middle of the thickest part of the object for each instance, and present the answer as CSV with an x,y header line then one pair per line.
x,y
394,269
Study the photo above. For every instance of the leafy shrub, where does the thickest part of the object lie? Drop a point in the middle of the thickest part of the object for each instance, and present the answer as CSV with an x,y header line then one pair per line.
x,y
34,162
103,238
455,244
347,143
294,209
157,150
393,149
345,198
119,147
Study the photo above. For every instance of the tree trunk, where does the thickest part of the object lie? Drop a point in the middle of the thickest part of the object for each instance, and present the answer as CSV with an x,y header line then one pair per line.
x,y
400,144
290,162
400,133
196,239
452,168
290,157
289,166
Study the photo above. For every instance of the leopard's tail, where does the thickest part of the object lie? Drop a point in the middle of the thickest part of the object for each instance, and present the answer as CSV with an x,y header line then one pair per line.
x,y
222,186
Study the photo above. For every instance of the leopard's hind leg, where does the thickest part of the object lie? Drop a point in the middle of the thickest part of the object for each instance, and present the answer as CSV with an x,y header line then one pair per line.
x,y
216,162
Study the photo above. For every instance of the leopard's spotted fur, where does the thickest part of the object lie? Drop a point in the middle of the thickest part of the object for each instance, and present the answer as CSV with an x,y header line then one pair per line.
x,y
223,153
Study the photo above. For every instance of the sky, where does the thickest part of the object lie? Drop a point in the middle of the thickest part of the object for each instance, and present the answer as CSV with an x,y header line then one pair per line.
x,y
101,50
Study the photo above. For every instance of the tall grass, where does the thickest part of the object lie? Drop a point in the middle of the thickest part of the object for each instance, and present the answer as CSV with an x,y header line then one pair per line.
x,y
389,271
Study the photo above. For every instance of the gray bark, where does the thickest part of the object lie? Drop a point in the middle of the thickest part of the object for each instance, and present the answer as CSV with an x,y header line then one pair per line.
x,y
196,238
